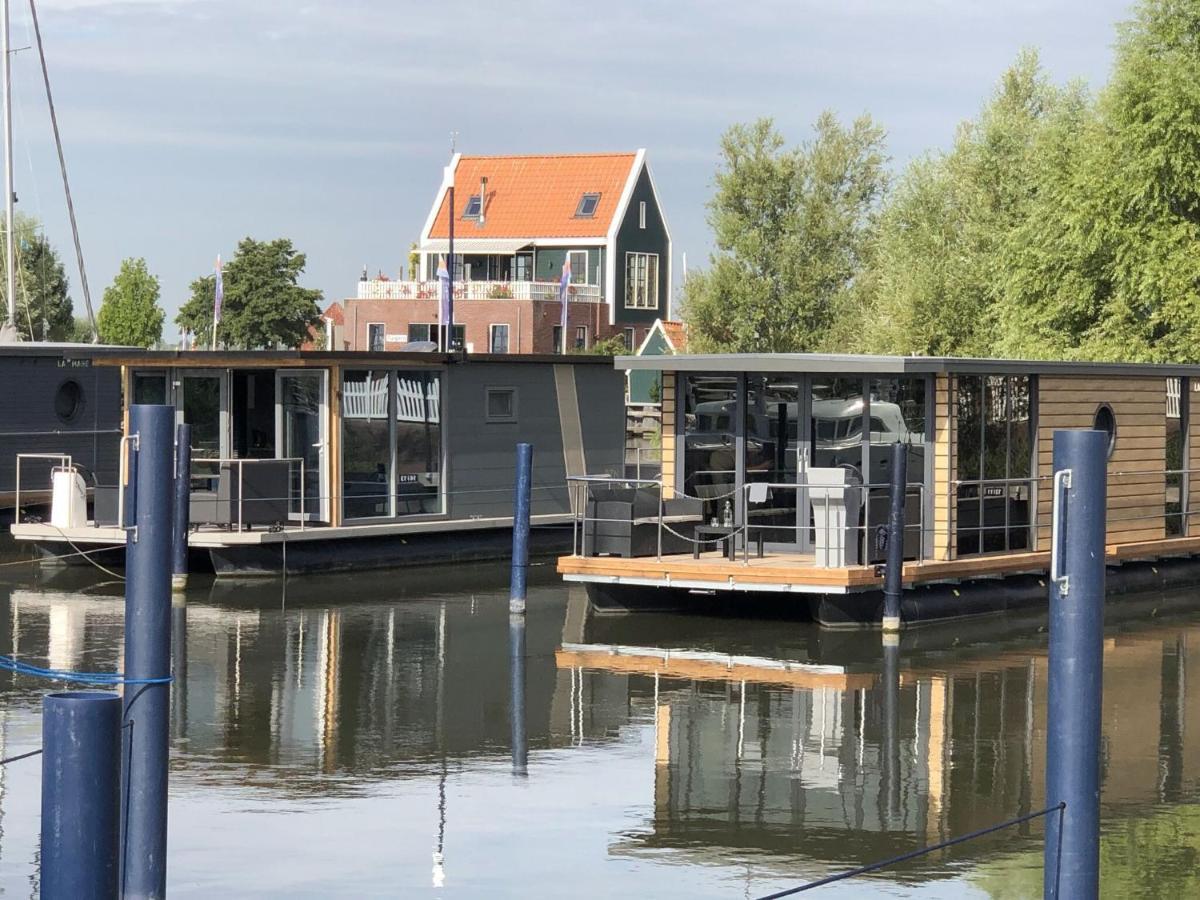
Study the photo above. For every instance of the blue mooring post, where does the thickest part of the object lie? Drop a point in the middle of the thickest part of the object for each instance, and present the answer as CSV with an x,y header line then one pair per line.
x,y
516,710
148,656
81,795
182,508
1072,849
893,582
520,554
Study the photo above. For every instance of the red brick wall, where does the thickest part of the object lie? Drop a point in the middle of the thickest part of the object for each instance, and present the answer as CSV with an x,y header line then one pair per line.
x,y
530,322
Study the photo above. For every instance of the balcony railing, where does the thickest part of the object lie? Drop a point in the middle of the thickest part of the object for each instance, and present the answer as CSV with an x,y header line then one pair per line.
x,y
478,290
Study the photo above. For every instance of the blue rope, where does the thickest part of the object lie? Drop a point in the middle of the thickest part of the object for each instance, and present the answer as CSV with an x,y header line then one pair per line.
x,y
105,678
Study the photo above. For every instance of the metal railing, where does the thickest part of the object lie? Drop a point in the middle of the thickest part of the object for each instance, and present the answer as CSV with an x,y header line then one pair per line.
x,y
479,290
64,463
241,464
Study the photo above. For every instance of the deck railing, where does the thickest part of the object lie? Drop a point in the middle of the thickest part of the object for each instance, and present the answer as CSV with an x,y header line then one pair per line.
x,y
478,290
1144,505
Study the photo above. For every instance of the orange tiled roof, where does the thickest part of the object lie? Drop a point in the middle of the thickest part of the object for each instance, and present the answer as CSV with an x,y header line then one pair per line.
x,y
536,196
676,334
335,313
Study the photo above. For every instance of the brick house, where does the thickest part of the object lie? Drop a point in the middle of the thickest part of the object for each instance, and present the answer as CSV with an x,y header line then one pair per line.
x,y
517,220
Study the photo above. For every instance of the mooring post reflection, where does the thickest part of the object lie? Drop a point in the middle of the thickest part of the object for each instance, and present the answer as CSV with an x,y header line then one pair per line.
x,y
516,706
891,728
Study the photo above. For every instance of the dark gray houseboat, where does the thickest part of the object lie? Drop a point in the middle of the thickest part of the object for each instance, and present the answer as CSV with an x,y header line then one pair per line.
x,y
321,461
58,407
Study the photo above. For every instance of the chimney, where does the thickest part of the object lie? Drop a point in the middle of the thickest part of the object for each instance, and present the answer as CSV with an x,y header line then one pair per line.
x,y
482,198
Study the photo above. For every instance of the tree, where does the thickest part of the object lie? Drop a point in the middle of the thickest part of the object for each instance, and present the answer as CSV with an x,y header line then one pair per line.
x,y
130,314
792,229
945,239
44,309
264,306
1106,265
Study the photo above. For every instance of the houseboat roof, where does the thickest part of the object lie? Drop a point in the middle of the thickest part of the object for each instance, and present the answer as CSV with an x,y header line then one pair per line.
x,y
849,363
249,359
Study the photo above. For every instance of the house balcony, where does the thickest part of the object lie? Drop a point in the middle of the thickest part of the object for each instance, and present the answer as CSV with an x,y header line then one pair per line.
x,y
376,289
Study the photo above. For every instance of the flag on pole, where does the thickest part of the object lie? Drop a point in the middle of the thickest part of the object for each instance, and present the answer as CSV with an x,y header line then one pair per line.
x,y
218,300
443,276
563,284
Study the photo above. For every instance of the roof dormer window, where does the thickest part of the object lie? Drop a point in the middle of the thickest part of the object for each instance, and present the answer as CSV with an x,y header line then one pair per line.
x,y
473,208
587,206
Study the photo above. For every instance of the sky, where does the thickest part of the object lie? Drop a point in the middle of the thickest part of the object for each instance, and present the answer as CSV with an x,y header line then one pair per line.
x,y
189,124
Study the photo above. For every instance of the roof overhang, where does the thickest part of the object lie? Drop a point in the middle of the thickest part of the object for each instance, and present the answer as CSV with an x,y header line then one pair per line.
x,y
850,364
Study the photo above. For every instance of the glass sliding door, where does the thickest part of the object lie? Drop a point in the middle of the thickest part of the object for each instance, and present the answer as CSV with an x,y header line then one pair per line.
x,y
418,439
366,444
774,413
202,402
895,423
300,427
710,413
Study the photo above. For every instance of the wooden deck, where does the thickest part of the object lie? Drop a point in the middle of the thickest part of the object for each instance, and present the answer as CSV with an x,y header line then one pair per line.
x,y
796,573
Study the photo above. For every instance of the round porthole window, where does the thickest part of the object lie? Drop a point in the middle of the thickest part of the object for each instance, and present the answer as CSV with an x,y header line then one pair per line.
x,y
68,401
1107,422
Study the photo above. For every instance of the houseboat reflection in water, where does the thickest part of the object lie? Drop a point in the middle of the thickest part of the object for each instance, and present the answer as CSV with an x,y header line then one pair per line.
x,y
791,752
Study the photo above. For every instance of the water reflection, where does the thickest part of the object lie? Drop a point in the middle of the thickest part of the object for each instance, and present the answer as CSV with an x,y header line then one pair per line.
x,y
763,752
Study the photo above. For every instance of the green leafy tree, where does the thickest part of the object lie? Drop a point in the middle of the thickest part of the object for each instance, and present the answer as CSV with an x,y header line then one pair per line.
x,y
130,314
264,304
945,240
44,309
1106,264
792,229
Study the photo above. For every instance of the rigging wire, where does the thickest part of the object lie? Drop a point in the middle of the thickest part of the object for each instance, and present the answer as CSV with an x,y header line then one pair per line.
x,y
62,165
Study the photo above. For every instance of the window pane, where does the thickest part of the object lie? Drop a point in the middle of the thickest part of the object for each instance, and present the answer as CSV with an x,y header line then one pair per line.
x,y
897,417
1176,415
709,408
150,389
772,435
579,267
995,428
202,410
499,339
652,281
418,443
969,402
365,456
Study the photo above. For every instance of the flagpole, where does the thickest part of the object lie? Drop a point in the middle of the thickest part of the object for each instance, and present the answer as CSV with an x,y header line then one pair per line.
x,y
218,298
449,323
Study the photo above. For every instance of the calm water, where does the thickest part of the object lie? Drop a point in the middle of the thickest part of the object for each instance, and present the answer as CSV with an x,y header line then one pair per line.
x,y
352,736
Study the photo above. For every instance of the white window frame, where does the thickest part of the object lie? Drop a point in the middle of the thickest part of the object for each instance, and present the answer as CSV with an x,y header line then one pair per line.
x,y
575,345
642,215
579,275
492,336
382,326
645,295
630,335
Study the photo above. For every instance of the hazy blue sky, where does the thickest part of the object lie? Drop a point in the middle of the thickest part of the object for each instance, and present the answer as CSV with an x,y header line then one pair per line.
x,y
191,123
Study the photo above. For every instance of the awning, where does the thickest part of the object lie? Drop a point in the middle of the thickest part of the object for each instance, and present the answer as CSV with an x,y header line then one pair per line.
x,y
497,246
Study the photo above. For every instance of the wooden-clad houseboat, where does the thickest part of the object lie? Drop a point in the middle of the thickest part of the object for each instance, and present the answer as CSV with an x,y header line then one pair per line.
x,y
336,460
775,481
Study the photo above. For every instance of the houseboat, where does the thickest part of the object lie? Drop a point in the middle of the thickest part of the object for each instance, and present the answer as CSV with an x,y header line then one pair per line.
x,y
313,460
59,407
775,484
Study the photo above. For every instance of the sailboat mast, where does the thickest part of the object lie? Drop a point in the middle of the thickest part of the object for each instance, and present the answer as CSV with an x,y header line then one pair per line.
x,y
10,268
